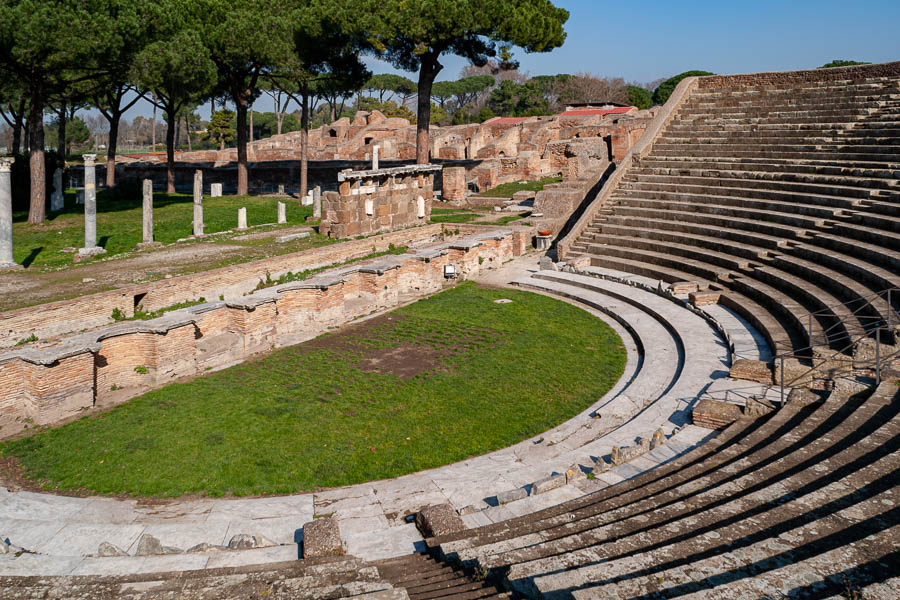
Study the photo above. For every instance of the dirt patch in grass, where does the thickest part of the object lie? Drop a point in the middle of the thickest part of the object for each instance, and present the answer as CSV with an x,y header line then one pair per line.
x,y
440,380
379,346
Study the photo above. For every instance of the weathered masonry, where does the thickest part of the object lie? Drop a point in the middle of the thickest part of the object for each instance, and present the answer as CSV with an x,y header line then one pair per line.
x,y
379,200
46,385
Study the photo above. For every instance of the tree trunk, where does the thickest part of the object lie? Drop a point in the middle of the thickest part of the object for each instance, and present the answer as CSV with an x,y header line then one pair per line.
x,y
251,122
427,74
170,151
62,147
37,208
241,103
111,145
153,128
304,141
187,129
17,137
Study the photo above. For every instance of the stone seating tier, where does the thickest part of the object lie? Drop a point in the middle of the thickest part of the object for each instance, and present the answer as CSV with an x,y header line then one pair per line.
x,y
724,504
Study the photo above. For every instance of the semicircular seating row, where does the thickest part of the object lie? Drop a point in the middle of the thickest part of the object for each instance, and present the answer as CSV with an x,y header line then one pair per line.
x,y
785,197
803,502
676,356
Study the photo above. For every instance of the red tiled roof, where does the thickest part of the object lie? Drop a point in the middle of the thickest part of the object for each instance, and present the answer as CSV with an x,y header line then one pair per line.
x,y
593,112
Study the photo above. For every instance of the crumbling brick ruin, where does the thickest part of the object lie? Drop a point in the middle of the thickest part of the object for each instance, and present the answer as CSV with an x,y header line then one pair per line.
x,y
378,200
497,151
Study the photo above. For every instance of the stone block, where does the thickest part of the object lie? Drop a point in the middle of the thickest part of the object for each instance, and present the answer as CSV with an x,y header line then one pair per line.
x,y
751,370
575,473
704,298
602,465
291,237
622,454
215,190
440,519
802,397
757,407
511,495
551,482
683,287
715,414
659,439
322,537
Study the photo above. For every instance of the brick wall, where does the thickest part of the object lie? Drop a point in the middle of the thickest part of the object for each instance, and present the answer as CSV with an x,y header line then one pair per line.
x,y
379,200
95,310
108,366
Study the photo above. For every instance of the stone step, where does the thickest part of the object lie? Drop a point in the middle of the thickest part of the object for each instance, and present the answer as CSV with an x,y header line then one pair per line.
x,y
748,475
847,87
717,178
852,241
719,206
835,127
535,539
307,579
779,337
872,171
861,452
763,291
873,311
889,143
867,154
764,198
627,491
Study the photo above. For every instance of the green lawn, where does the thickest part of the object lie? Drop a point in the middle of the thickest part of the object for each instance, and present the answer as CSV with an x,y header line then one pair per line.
x,y
506,190
119,222
321,415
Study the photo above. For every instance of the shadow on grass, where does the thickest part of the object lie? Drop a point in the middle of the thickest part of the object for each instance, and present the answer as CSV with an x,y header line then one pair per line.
x,y
123,197
31,256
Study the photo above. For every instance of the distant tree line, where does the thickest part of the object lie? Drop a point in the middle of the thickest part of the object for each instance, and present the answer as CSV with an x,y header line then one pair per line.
x,y
108,54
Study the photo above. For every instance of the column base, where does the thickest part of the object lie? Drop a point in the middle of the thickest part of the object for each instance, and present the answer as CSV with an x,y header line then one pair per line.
x,y
88,253
146,245
9,266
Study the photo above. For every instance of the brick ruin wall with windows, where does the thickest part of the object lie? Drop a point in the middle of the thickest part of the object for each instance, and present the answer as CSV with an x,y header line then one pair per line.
x,y
494,152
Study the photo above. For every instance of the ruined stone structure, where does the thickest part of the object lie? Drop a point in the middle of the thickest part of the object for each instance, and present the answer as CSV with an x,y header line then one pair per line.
x,y
757,214
379,200
498,151
62,378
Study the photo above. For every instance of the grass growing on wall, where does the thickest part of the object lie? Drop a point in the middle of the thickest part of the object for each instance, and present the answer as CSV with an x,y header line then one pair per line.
x,y
443,379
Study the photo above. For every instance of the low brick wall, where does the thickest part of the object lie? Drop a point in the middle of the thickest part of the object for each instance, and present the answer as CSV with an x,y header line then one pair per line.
x,y
46,386
95,310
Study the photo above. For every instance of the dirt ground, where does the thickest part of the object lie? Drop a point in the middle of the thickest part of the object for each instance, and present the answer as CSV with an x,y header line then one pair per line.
x,y
25,287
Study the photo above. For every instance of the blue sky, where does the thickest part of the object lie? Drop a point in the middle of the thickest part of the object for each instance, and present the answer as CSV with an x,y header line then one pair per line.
x,y
642,41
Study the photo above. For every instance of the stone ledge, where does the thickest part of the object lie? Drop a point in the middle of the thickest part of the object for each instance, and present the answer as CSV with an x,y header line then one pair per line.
x,y
388,172
322,537
441,519
715,414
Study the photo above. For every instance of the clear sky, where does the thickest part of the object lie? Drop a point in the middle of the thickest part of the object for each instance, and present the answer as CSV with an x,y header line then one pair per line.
x,y
643,41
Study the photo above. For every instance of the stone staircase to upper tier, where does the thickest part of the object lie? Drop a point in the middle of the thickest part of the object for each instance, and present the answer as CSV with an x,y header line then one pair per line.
x,y
782,193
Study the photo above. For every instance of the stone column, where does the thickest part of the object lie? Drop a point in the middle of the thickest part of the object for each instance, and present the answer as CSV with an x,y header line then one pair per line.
x,y
282,215
148,211
375,149
57,199
317,202
90,209
198,202
242,218
6,244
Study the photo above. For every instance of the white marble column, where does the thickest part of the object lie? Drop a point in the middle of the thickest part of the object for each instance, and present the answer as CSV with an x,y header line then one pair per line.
x,y
242,218
198,202
90,208
317,202
6,233
148,211
282,213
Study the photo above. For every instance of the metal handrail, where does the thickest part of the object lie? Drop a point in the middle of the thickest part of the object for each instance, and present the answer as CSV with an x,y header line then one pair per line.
x,y
865,334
